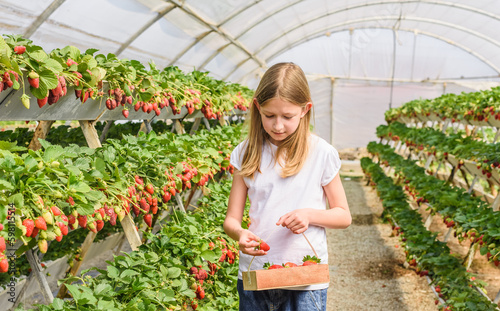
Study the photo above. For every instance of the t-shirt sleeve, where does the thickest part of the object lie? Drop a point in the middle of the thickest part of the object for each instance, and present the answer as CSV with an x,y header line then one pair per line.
x,y
237,156
331,165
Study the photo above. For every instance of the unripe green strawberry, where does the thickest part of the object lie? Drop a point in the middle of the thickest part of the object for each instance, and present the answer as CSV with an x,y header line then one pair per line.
x,y
25,99
43,234
47,216
55,164
51,235
121,215
43,245
57,231
74,226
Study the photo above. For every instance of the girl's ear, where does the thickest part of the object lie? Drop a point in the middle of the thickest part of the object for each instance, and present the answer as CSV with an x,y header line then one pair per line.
x,y
256,103
306,109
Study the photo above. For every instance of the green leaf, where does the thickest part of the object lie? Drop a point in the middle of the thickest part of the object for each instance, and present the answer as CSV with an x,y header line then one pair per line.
x,y
48,79
80,187
113,272
39,55
53,64
5,53
5,185
174,272
210,256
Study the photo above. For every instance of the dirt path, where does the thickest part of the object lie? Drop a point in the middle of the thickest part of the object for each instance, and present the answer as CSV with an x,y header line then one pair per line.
x,y
367,264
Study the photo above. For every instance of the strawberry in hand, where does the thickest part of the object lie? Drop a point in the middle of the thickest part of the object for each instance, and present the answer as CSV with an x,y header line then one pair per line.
x,y
263,246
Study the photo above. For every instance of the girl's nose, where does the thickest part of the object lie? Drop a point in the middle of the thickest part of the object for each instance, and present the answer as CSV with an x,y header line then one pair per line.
x,y
278,124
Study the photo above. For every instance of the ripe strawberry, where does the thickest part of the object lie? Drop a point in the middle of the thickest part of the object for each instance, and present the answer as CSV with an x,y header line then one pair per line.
x,y
30,225
82,221
99,225
42,102
148,220
263,246
20,49
310,260
40,223
275,267
150,188
4,264
200,292
289,265
35,232
34,79
202,274
1,227
193,270
125,113
2,244
63,227
43,245
55,211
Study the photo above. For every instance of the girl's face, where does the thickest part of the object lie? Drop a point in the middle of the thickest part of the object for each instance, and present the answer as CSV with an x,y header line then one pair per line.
x,y
280,118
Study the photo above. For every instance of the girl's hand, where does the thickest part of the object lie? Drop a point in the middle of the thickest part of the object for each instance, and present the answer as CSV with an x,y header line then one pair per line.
x,y
297,221
248,242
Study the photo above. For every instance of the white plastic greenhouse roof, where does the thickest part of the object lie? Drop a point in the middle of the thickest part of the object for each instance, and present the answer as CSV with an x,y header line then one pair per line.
x,y
361,57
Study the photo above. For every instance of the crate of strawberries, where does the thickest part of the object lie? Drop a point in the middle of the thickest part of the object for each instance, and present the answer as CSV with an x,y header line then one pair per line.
x,y
288,274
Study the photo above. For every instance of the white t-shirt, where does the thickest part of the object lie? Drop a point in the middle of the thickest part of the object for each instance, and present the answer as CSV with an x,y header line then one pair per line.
x,y
272,196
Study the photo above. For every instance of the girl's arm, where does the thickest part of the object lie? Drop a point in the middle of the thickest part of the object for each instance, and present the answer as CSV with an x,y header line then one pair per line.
x,y
337,217
232,224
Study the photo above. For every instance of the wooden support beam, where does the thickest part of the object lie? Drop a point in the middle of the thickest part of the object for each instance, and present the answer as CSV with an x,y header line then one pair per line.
x,y
191,195
207,124
195,126
179,129
496,204
470,255
145,126
179,202
131,232
41,132
90,133
36,267
77,263
105,131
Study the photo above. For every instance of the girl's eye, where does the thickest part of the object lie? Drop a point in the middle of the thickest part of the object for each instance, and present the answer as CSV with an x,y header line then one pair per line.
x,y
269,117
288,118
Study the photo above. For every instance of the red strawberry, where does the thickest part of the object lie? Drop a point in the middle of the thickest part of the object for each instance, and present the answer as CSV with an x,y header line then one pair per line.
x,y
1,227
59,238
310,260
4,264
125,113
289,265
42,245
82,221
144,205
34,79
201,275
71,219
193,270
40,223
99,225
70,201
148,220
64,228
55,211
35,232
263,246
42,102
150,188
2,244
200,292
20,49
30,225
275,267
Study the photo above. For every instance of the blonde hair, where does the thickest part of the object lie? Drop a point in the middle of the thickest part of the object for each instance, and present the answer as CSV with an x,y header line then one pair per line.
x,y
287,82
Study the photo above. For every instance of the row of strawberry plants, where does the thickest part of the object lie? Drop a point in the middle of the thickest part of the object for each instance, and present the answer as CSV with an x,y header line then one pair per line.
x,y
120,83
433,141
189,262
475,106
49,191
470,216
429,256
65,135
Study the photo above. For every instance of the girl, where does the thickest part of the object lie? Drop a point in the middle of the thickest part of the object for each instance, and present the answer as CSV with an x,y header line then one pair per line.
x,y
288,175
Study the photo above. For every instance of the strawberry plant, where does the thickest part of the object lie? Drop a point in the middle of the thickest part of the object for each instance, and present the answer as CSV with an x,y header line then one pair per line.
x,y
425,253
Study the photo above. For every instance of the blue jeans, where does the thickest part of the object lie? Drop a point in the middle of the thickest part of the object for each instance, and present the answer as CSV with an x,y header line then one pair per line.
x,y
281,299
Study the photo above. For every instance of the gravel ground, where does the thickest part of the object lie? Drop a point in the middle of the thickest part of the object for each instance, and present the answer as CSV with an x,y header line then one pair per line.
x,y
367,264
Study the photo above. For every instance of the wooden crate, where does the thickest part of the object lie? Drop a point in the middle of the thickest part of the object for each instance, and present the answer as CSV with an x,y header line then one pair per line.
x,y
286,277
